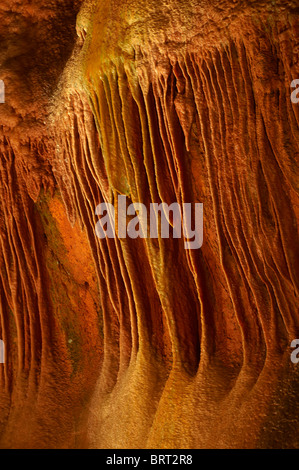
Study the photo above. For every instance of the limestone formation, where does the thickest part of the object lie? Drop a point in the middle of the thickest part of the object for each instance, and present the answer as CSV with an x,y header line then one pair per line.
x,y
135,343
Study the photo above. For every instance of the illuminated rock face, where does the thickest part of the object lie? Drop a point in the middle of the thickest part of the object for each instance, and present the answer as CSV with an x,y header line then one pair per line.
x,y
135,343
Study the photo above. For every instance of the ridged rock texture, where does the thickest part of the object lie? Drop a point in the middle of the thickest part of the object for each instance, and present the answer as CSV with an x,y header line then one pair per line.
x,y
134,343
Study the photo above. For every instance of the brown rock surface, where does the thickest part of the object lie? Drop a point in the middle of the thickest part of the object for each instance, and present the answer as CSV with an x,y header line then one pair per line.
x,y
141,343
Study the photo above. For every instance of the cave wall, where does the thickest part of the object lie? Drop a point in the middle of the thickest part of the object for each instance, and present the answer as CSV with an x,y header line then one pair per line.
x,y
141,343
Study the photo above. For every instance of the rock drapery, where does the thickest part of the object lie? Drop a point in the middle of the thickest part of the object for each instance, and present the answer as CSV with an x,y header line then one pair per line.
x,y
141,343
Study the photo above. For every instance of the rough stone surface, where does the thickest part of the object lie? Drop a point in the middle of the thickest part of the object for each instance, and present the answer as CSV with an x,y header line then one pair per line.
x,y
141,343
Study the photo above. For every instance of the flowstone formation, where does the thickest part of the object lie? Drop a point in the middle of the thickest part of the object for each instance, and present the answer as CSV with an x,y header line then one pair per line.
x,y
134,343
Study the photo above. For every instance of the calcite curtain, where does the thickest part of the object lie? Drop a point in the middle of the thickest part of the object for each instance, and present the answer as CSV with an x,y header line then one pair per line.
x,y
135,343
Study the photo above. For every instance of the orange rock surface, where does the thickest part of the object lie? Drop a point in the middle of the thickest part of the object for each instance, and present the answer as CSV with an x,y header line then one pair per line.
x,y
134,343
